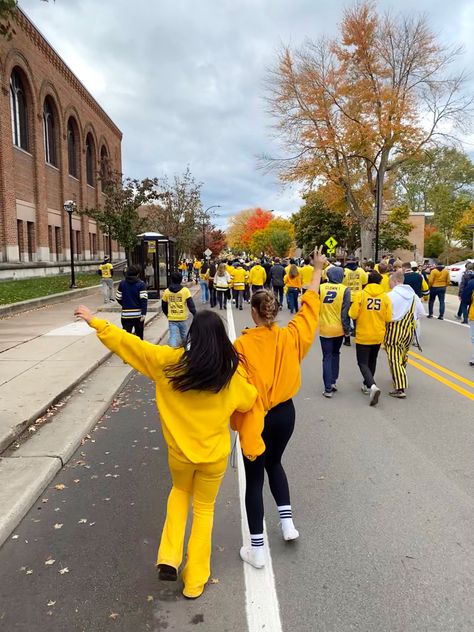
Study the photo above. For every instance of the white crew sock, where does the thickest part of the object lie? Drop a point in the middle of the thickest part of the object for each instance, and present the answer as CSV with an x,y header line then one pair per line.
x,y
254,554
287,526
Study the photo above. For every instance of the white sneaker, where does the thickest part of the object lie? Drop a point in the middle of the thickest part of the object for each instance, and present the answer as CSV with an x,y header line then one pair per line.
x,y
253,556
364,389
374,395
327,394
289,533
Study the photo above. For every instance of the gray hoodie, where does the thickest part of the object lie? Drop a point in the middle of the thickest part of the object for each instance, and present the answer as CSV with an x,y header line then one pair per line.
x,y
401,298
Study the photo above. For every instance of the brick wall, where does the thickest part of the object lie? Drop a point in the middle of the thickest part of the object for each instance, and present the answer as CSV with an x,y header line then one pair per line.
x,y
24,175
417,238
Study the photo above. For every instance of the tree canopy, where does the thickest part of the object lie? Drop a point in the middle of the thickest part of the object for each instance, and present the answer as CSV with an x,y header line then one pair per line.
x,y
350,111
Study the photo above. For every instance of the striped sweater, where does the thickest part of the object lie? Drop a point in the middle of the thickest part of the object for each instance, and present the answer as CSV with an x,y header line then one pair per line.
x,y
133,297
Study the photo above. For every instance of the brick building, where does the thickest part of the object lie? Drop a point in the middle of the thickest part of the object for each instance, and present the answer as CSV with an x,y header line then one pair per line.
x,y
54,141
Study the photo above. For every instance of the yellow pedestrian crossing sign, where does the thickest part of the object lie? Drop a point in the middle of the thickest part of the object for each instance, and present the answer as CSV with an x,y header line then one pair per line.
x,y
331,243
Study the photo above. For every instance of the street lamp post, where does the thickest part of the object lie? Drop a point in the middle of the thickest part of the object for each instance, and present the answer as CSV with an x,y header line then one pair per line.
x,y
204,223
70,207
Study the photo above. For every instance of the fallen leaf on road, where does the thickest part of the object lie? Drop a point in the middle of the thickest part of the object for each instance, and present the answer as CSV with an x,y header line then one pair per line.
x,y
44,500
51,603
82,521
321,478
58,525
29,572
149,598
114,615
60,486
106,499
77,480
220,548
91,524
49,562
23,568
64,570
214,580
15,537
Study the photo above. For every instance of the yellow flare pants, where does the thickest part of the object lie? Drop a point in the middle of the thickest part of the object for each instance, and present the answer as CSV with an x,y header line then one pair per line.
x,y
200,484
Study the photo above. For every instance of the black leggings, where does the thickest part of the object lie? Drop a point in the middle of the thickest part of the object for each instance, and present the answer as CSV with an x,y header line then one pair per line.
x,y
279,426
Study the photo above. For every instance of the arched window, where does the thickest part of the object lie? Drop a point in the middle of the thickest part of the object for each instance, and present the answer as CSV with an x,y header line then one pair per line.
x,y
72,148
104,167
49,127
19,110
90,160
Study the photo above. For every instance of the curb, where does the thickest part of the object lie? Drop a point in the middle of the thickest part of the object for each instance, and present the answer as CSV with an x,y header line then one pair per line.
x,y
7,441
22,306
42,468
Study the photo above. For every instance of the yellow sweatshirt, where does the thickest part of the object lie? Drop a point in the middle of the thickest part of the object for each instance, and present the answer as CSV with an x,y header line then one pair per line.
x,y
257,275
195,423
272,357
239,278
372,310
439,278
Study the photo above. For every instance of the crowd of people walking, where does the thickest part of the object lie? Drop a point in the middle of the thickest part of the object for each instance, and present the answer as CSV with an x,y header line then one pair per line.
x,y
204,383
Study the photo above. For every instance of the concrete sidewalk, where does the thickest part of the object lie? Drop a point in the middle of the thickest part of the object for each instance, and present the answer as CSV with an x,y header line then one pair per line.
x,y
44,353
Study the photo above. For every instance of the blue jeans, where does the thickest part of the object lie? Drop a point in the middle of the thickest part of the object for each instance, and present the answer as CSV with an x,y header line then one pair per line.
x,y
178,331
331,348
440,293
204,291
292,297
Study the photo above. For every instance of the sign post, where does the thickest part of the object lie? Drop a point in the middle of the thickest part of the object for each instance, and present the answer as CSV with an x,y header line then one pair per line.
x,y
207,253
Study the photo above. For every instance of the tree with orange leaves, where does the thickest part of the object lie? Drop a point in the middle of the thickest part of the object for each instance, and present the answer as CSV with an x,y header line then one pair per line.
x,y
259,220
244,224
354,109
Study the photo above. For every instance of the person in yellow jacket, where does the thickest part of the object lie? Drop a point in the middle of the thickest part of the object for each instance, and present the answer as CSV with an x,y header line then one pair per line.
x,y
198,388
292,283
383,271
197,265
257,277
355,277
239,279
106,272
438,281
306,273
272,357
372,311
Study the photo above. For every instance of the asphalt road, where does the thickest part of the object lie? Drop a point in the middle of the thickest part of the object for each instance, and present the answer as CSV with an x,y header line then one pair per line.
x,y
383,499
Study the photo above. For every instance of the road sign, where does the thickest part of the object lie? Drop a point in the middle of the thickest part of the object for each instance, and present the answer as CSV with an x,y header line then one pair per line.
x,y
207,252
331,243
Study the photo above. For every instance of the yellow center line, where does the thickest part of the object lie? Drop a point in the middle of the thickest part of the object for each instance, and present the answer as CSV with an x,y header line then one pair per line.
x,y
442,369
443,380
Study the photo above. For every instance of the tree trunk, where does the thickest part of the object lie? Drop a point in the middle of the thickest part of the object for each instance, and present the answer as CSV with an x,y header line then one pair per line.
x,y
367,240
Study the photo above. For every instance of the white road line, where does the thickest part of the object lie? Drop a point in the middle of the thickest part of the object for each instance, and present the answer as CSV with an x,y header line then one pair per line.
x,y
455,322
261,600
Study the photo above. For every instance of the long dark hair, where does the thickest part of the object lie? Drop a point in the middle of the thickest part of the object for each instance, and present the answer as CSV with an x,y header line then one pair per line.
x,y
209,360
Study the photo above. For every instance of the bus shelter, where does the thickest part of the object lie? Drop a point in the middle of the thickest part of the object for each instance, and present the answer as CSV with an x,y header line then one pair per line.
x,y
155,255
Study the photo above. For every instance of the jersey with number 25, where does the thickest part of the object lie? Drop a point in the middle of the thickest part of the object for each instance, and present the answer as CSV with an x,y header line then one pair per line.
x,y
372,310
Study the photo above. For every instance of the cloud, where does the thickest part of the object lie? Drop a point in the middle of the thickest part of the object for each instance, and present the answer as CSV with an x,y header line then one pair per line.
x,y
184,79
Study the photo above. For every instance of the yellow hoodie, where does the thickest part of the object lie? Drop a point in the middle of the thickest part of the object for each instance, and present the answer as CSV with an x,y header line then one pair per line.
x,y
371,309
195,423
272,357
257,275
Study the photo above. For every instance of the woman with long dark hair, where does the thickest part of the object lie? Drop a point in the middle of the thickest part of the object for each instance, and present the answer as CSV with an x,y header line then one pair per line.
x,y
212,289
272,357
198,388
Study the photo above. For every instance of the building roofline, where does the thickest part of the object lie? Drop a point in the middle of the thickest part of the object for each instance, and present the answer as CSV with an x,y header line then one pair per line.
x,y
53,56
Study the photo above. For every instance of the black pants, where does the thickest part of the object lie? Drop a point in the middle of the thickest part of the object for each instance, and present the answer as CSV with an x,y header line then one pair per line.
x,y
367,361
278,291
222,296
212,294
134,325
279,426
256,288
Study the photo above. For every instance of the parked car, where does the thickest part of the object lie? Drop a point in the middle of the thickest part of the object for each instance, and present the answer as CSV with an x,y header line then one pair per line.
x,y
456,270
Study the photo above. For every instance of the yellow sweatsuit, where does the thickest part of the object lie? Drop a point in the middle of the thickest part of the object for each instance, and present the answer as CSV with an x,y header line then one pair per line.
x,y
372,310
196,428
272,359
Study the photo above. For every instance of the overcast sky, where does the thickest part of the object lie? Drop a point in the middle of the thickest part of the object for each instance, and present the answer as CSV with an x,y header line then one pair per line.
x,y
183,79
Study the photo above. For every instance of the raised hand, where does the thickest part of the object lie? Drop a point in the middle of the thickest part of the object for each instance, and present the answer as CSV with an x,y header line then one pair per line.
x,y
319,260
83,312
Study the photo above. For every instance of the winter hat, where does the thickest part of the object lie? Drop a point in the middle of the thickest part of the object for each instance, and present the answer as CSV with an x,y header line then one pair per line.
x,y
335,275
